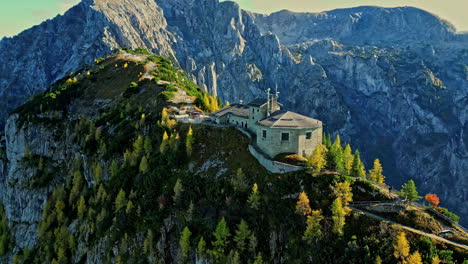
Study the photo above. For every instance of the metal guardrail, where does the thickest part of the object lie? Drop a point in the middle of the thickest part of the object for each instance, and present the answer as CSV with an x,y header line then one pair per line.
x,y
448,220
368,203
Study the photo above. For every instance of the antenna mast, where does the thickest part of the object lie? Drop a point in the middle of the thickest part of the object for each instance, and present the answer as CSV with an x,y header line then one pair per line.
x,y
268,101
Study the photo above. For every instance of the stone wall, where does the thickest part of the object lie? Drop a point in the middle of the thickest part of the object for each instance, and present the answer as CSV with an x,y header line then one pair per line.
x,y
266,162
271,165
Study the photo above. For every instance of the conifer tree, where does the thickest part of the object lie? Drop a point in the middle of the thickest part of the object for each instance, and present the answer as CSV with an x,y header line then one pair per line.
x,y
120,201
317,160
239,182
313,229
185,242
129,207
258,259
334,157
415,258
164,143
436,260
148,145
376,174
303,205
113,169
343,191
409,192
178,189
242,235
144,165
148,243
81,207
220,242
77,186
401,248
254,198
378,260
201,248
357,168
138,146
347,159
189,142
338,216
97,173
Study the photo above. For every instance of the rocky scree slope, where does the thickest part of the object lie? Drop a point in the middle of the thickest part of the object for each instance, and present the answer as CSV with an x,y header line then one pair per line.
x,y
376,75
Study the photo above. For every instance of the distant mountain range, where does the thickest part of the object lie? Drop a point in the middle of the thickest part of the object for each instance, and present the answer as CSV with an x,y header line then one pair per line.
x,y
392,81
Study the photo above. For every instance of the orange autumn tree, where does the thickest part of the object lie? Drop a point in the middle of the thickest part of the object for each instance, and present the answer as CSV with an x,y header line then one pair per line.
x,y
432,199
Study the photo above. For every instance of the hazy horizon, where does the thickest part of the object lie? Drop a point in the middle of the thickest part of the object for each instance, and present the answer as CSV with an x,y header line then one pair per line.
x,y
23,14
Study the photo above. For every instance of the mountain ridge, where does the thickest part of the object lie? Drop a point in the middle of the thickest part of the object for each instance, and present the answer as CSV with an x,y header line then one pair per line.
x,y
376,96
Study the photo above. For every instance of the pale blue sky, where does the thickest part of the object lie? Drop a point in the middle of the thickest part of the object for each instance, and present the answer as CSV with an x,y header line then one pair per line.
x,y
18,15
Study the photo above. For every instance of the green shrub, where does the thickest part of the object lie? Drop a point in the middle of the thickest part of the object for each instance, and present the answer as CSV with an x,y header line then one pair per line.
x,y
448,214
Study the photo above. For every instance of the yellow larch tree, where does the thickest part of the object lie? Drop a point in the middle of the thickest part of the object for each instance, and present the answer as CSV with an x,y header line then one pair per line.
x,y
376,174
317,160
303,205
343,191
401,248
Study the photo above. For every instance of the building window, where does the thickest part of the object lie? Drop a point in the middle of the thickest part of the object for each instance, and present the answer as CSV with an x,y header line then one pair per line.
x,y
253,110
258,110
264,134
284,136
308,134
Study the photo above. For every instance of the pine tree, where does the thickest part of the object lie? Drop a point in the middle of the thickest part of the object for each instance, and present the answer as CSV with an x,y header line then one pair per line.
x,y
303,205
317,160
148,145
81,207
201,248
138,146
239,182
120,201
357,168
164,143
347,160
343,191
401,248
220,243
254,198
185,242
258,259
129,207
178,189
313,229
234,257
189,142
334,156
97,173
148,243
144,165
378,260
338,216
113,169
376,174
242,234
77,186
409,192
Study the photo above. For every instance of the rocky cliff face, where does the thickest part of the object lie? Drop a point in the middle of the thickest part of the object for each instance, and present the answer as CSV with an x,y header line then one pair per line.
x,y
394,81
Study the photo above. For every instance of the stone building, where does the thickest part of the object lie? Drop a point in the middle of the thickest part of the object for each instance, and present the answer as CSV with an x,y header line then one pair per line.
x,y
274,131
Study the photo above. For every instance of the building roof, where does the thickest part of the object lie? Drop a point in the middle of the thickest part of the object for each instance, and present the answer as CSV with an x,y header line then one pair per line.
x,y
258,102
234,109
286,119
